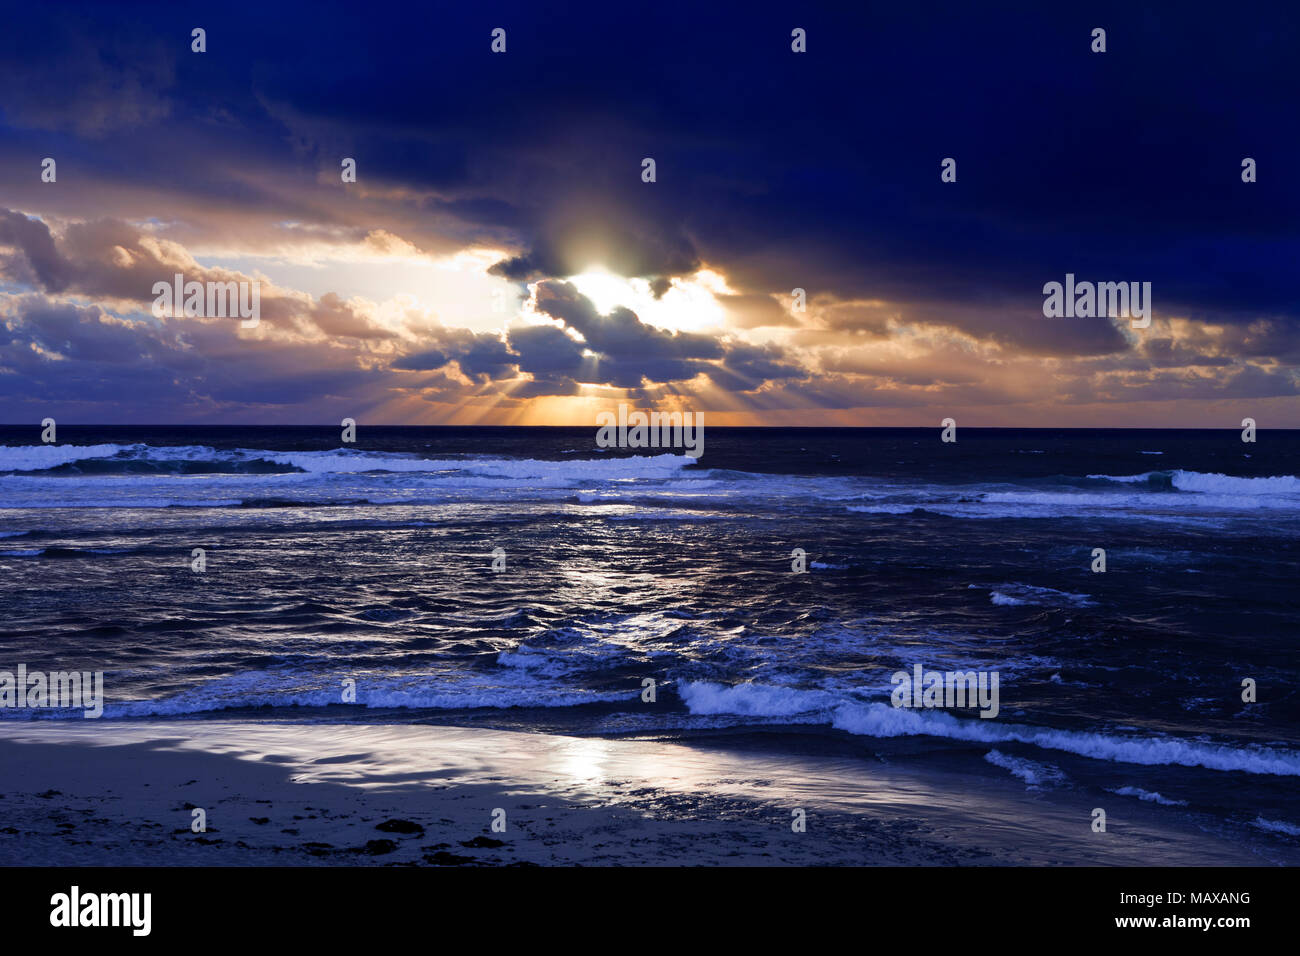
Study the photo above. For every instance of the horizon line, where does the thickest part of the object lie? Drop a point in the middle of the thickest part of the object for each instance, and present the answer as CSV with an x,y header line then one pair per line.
x,y
1044,428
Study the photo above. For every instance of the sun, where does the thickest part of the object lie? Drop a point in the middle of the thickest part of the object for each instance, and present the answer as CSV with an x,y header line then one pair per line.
x,y
689,305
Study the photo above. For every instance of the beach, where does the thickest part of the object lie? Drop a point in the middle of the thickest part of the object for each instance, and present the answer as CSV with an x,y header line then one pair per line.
x,y
801,437
422,795
648,660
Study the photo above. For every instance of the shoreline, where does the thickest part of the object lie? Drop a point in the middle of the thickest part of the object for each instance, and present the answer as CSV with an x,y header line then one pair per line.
x,y
413,794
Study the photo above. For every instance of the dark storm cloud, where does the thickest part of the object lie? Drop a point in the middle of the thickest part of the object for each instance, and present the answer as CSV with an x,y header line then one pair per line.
x,y
627,351
481,356
620,333
818,170
547,352
82,355
34,259
615,349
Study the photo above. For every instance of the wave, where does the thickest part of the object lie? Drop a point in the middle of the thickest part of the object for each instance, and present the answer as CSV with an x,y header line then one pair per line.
x,y
515,469
1037,776
1213,483
1276,826
885,509
56,552
139,476
752,700
261,689
666,516
191,459
1016,595
884,720
144,476
126,503
112,459
43,457
1148,795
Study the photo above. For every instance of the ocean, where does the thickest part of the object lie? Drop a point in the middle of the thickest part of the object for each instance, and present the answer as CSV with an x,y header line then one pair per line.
x,y
523,579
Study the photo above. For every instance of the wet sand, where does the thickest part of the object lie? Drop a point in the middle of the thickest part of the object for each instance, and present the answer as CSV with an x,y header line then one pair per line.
x,y
124,793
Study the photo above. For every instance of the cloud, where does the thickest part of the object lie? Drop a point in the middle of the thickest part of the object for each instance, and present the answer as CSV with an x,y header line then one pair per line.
x,y
775,171
618,349
111,260
755,311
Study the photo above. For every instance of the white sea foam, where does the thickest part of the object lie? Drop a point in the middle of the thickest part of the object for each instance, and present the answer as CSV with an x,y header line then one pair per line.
x,y
1126,479
664,514
40,457
446,692
322,478
1215,483
69,502
28,458
348,474
1037,776
1150,796
883,720
1014,595
1229,485
1276,826
754,700
344,461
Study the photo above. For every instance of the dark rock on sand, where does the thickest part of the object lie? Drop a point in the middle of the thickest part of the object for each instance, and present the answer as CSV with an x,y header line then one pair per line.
x,y
482,842
400,826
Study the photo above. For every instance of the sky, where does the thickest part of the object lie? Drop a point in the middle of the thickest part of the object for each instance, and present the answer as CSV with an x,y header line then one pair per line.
x,y
500,258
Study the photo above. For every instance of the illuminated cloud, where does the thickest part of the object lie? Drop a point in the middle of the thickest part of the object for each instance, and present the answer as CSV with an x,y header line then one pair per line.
x,y
499,258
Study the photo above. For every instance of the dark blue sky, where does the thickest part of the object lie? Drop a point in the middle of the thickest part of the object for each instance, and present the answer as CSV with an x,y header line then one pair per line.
x,y
775,170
